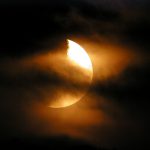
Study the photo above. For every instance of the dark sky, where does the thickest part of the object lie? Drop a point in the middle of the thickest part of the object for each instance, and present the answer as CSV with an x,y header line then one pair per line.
x,y
115,111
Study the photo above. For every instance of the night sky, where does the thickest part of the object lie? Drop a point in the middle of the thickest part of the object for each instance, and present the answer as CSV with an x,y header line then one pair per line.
x,y
114,113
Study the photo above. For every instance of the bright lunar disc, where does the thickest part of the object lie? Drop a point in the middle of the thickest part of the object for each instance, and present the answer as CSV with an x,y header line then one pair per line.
x,y
78,55
77,71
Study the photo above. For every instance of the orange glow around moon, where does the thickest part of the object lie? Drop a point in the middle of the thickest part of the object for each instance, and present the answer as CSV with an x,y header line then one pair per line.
x,y
78,73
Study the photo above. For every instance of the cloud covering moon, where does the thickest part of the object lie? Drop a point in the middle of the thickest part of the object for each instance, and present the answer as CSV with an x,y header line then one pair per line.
x,y
78,71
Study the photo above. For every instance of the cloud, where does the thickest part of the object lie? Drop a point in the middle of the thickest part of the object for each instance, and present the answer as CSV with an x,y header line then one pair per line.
x,y
34,41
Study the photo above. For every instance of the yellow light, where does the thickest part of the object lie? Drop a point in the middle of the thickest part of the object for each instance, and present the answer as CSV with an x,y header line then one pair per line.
x,y
78,75
78,55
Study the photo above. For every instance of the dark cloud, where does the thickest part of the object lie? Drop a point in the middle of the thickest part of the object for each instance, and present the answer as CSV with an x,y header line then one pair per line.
x,y
130,91
62,142
25,27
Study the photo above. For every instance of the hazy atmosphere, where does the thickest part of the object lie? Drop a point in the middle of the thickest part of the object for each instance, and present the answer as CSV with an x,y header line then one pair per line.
x,y
105,105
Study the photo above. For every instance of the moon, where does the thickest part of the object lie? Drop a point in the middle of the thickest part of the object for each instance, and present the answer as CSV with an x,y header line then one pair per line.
x,y
77,72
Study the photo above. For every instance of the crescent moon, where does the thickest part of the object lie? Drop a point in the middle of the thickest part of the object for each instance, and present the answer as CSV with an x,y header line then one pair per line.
x,y
79,74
